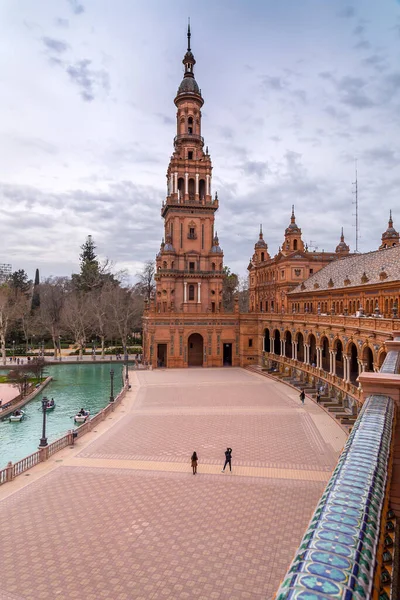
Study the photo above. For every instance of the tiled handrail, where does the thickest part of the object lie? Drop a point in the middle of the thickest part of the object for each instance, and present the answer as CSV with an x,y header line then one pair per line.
x,y
337,556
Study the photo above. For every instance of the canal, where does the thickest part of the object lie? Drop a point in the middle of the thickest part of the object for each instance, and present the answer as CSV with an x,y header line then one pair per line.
x,y
73,387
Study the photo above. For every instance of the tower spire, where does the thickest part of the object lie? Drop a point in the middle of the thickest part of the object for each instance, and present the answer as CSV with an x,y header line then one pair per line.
x,y
390,219
342,236
189,35
292,218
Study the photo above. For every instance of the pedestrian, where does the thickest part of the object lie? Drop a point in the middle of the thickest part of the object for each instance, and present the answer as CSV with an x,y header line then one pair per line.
x,y
302,396
228,459
194,460
318,397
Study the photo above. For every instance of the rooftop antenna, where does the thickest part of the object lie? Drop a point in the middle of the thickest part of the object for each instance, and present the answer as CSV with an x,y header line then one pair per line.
x,y
355,192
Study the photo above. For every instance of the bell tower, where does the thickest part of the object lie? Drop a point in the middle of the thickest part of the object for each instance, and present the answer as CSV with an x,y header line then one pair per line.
x,y
189,266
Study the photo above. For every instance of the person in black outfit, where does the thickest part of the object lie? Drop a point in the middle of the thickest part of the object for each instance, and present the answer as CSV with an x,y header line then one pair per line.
x,y
302,396
228,459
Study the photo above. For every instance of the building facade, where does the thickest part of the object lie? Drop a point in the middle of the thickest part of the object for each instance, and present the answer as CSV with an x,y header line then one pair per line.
x,y
331,311
184,324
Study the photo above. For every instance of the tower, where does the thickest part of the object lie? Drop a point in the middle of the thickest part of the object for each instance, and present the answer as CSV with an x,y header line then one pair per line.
x,y
390,237
189,266
342,248
293,239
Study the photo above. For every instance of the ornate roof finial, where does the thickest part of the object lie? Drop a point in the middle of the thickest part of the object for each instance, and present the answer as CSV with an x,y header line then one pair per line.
x,y
342,236
390,219
261,230
292,218
188,35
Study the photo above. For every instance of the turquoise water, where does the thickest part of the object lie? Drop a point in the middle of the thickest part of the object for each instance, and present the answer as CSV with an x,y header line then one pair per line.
x,y
73,387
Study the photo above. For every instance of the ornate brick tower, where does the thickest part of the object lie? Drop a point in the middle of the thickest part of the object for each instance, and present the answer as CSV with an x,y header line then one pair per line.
x,y
189,266
390,237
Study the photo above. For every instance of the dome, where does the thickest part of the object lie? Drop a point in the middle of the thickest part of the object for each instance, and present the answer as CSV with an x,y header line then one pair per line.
x,y
389,233
189,85
216,249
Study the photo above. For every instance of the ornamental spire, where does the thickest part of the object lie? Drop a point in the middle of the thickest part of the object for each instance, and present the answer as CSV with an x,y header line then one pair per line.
x,y
188,35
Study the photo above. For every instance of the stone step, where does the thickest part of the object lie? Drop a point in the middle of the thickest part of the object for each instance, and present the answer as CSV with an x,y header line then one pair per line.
x,y
335,408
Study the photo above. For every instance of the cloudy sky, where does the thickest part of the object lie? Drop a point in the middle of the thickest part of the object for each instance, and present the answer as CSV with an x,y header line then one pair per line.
x,y
294,93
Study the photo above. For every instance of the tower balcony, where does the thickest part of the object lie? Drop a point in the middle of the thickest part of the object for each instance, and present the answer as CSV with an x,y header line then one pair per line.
x,y
173,201
191,137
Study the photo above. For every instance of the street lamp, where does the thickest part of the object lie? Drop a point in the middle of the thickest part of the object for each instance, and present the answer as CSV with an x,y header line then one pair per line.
x,y
43,348
93,349
126,372
43,439
112,385
59,347
13,349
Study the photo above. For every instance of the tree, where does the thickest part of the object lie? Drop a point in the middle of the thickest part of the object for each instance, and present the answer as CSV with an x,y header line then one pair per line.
x,y
93,274
243,293
12,303
19,281
101,302
125,312
19,378
52,298
36,295
146,284
77,317
229,289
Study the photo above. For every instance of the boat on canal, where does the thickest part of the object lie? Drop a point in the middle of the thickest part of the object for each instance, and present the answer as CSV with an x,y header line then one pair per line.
x,y
17,416
82,416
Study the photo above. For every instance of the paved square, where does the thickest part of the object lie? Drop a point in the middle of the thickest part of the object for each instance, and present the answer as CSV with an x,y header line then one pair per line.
x,y
90,530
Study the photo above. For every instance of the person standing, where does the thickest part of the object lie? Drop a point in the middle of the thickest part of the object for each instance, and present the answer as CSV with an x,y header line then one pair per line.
x,y
302,396
194,460
228,459
318,397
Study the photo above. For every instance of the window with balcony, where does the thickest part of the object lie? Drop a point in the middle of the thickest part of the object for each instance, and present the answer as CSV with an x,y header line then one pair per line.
x,y
191,267
190,155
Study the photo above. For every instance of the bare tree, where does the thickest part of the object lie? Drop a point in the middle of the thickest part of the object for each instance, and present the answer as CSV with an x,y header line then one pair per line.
x,y
146,283
77,317
126,308
12,303
52,298
101,303
243,291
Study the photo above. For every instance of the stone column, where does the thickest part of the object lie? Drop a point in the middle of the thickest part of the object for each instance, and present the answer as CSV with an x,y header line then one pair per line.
x,y
175,183
319,358
294,350
282,348
199,292
306,354
330,362
272,344
186,184
333,371
197,184
185,291
346,368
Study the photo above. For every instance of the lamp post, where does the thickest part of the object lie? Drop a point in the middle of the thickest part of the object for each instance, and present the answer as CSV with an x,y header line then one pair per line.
x,y
13,350
43,348
94,349
59,347
43,439
25,384
112,385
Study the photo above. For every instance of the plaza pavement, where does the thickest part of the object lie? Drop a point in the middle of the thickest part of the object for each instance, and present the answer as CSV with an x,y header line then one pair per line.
x,y
121,516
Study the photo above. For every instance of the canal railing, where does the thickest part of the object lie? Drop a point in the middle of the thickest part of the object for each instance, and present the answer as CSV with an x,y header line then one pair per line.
x,y
12,470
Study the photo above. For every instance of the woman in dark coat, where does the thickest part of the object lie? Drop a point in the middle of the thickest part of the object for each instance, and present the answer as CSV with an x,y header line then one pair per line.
x,y
194,460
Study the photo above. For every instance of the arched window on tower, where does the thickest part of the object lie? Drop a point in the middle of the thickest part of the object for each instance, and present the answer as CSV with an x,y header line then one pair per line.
x,y
190,125
213,267
191,292
181,188
164,265
202,189
191,189
294,244
262,256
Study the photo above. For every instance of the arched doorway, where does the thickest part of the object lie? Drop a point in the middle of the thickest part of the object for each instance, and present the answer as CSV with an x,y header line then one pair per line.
x,y
368,359
339,358
325,355
300,347
195,350
288,344
267,343
313,349
277,342
353,363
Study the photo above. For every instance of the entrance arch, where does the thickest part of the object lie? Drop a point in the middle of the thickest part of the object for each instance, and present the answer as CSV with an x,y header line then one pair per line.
x,y
325,354
277,342
368,358
300,347
313,349
195,350
288,344
353,363
267,341
338,346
